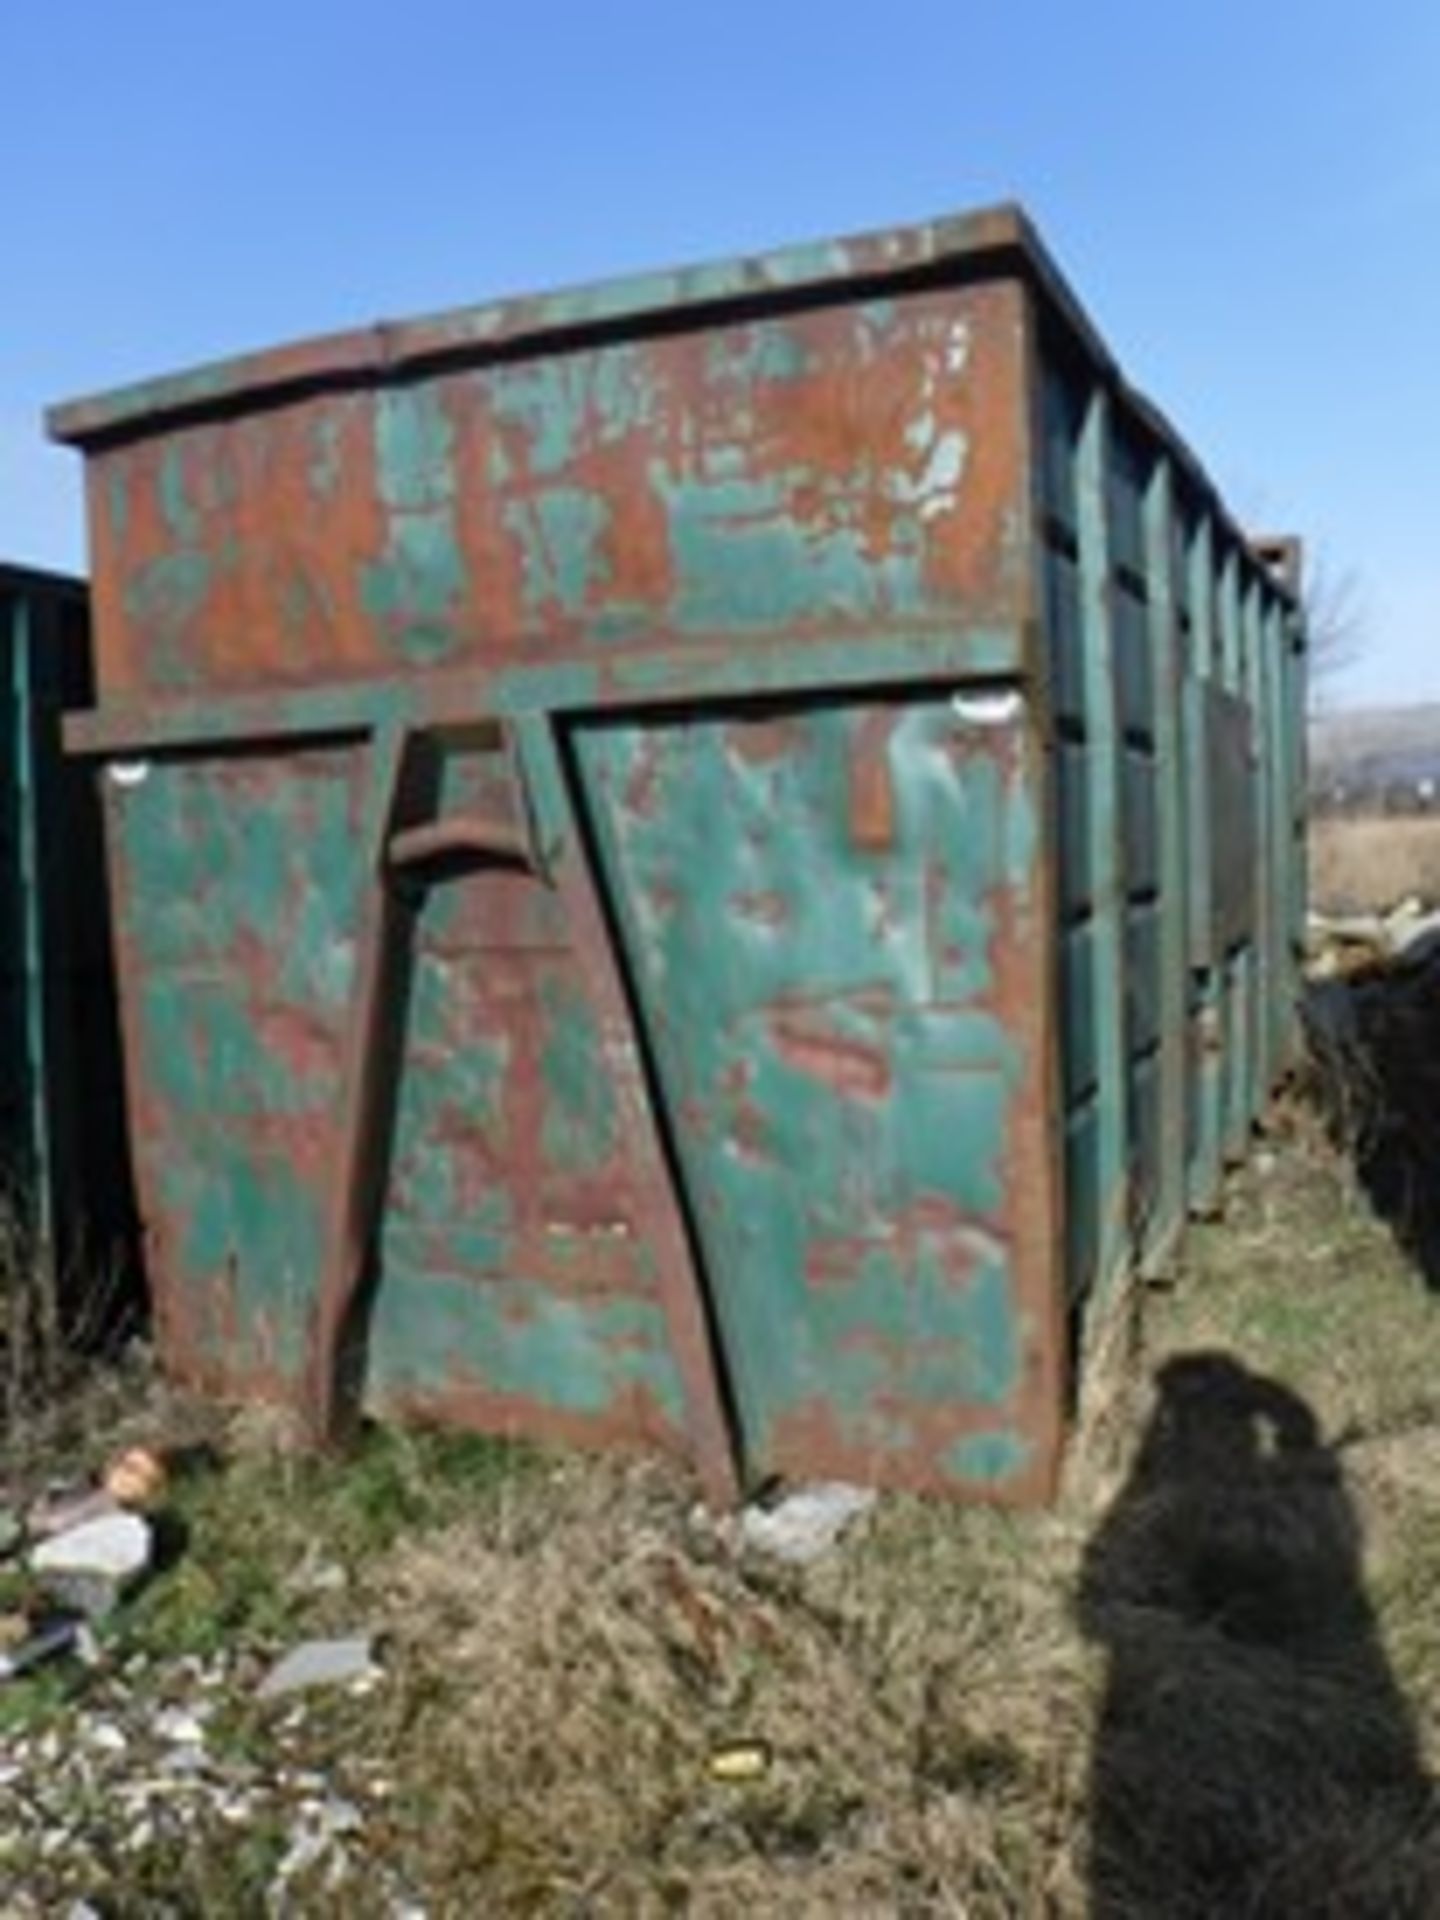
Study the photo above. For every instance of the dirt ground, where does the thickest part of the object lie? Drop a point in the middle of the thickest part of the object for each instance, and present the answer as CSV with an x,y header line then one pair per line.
x,y
1207,1682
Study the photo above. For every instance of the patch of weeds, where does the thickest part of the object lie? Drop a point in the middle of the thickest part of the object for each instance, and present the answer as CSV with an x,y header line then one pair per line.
x,y
241,1731
798,1825
219,1595
16,1586
250,1528
202,1876
40,1699
954,1760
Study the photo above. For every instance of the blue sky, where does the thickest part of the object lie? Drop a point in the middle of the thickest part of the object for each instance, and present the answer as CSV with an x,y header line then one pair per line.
x,y
1246,197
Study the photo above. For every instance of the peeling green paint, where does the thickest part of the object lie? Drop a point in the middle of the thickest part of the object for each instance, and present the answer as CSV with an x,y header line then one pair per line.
x,y
326,471
117,501
579,1128
164,596
555,409
413,589
238,918
562,534
989,1459
253,1232
759,352
744,559
512,1339
181,518
816,1005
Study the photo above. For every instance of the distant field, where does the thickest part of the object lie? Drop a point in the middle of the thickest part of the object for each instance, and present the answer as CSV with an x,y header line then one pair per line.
x,y
1362,864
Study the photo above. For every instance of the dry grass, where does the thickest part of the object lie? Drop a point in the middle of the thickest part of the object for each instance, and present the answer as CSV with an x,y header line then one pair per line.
x,y
1187,1691
32,1349
1207,1683
60,1335
924,1697
1368,864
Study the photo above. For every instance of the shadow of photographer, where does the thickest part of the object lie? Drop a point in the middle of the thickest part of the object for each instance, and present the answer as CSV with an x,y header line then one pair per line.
x,y
1253,1754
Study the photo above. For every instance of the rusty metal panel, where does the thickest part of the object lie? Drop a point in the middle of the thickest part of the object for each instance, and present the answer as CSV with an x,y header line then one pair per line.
x,y
829,472
846,994
235,885
519,1278
513,1268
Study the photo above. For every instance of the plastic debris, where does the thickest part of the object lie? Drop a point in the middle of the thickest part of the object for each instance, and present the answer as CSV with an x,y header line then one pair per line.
x,y
45,1644
802,1525
179,1728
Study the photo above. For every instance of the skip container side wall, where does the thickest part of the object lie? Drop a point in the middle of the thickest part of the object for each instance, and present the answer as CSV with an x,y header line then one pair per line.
x,y
1176,673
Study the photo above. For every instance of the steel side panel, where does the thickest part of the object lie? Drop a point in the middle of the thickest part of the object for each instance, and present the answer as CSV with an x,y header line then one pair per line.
x,y
1112,1135
1261,920
514,1288
836,922
518,1288
235,887
1172,959
1282,808
838,471
1207,1030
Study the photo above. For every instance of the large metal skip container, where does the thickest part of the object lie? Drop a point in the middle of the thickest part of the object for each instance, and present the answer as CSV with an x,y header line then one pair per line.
x,y
669,878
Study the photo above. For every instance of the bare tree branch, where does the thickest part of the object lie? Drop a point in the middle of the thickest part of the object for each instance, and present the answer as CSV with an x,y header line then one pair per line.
x,y
1336,622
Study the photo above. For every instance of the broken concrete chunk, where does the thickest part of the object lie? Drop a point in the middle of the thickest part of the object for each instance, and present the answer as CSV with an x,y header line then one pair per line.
x,y
91,1565
316,1575
179,1728
320,1663
806,1523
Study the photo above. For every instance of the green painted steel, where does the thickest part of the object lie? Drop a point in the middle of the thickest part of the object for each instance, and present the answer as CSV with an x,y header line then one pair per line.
x,y
1166,644
701,863
842,1069
1106,819
60,1148
1206,961
1177,819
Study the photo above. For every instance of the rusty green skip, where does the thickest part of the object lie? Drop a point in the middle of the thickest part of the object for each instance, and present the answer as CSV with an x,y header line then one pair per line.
x,y
667,853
